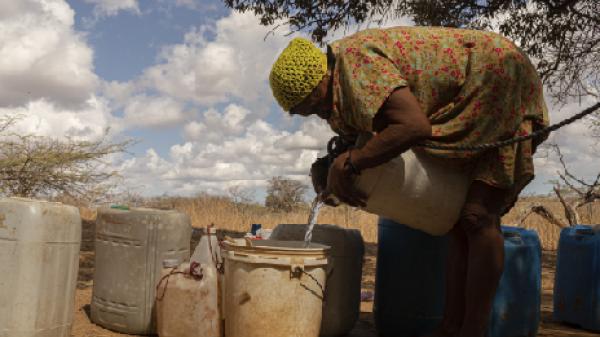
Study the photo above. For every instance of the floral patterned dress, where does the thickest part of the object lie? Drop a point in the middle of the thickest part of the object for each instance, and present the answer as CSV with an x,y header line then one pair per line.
x,y
475,87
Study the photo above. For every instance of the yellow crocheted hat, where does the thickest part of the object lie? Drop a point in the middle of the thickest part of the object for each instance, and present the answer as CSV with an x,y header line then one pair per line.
x,y
297,72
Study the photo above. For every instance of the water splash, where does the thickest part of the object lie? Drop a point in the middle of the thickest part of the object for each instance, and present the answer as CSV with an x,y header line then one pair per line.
x,y
312,219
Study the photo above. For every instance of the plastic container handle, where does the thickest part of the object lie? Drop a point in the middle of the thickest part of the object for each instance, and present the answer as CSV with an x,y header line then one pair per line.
x,y
513,236
584,231
299,271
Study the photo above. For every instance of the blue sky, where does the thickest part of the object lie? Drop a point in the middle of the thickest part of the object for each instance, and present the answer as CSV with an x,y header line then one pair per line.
x,y
127,43
188,80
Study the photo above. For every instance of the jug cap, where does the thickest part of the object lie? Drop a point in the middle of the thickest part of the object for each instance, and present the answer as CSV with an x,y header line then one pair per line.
x,y
170,263
208,230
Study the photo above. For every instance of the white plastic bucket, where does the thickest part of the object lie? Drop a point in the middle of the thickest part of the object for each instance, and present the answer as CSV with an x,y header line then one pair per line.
x,y
274,288
342,306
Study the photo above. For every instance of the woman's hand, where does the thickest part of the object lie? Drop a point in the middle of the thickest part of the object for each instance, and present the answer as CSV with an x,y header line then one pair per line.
x,y
340,182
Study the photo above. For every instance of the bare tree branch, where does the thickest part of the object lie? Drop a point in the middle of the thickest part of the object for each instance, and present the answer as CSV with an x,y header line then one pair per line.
x,y
570,213
32,166
543,212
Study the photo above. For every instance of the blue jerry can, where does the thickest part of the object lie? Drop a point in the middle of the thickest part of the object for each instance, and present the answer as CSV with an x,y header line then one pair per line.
x,y
409,284
516,308
577,280
409,281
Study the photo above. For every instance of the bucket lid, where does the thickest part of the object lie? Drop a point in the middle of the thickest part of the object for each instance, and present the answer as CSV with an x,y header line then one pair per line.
x,y
277,247
342,241
276,252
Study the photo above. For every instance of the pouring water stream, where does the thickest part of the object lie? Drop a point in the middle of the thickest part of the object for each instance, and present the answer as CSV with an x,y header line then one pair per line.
x,y
312,219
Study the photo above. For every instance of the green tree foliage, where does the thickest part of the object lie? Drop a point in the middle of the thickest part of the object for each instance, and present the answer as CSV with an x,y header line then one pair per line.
x,y
561,36
32,166
284,194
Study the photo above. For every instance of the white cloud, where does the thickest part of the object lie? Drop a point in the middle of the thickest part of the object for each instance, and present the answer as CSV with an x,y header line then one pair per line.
x,y
46,73
217,126
192,4
44,118
41,57
579,148
232,65
153,111
222,152
118,93
113,7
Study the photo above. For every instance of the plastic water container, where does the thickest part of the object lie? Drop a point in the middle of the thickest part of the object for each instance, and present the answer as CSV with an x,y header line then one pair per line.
x,y
186,301
577,283
39,259
424,192
274,288
516,308
409,281
130,248
208,254
410,291
342,305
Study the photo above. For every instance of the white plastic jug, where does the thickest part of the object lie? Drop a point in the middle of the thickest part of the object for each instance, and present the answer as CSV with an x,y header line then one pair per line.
x,y
39,259
186,303
208,254
417,190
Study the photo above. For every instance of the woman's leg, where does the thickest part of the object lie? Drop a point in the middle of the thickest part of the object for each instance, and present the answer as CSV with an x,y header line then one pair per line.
x,y
456,279
474,264
480,221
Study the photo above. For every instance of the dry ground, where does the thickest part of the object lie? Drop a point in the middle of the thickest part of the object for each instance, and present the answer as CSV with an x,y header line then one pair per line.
x,y
82,327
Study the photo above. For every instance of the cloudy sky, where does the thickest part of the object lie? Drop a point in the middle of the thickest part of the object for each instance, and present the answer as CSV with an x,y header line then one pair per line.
x,y
188,80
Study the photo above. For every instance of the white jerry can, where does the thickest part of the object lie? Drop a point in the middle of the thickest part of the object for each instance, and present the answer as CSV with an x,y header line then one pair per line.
x,y
39,261
417,190
130,248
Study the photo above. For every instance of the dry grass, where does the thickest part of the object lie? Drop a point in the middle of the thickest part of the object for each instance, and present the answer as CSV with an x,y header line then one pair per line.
x,y
228,215
225,214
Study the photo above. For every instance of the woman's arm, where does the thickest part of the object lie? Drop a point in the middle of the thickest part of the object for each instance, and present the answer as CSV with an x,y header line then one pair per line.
x,y
400,124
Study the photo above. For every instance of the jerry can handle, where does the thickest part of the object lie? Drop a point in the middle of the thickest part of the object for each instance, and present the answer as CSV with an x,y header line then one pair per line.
x,y
584,230
513,236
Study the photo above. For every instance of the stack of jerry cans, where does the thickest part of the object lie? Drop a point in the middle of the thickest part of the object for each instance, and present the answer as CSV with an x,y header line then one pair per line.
x,y
409,285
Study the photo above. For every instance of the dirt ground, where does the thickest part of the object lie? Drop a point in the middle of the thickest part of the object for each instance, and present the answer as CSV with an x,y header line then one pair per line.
x,y
82,327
